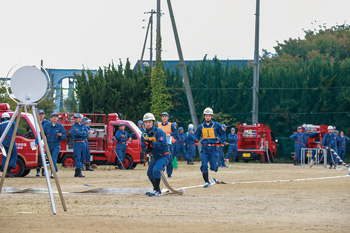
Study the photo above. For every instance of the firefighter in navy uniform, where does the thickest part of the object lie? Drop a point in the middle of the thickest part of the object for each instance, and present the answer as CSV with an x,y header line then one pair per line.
x,y
43,121
330,141
54,133
298,145
180,144
171,136
121,136
191,147
342,140
154,142
80,133
141,126
212,135
232,149
6,143
87,158
221,156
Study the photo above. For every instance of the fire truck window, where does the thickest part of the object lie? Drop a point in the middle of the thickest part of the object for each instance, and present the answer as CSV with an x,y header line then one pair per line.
x,y
127,129
272,137
24,129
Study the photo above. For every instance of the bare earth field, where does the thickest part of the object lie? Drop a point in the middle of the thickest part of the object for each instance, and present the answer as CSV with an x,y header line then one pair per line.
x,y
316,205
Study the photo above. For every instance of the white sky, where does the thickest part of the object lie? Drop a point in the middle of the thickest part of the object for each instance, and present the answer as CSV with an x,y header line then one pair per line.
x,y
77,33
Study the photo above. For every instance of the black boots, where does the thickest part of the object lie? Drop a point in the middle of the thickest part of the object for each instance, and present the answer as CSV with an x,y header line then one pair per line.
x,y
120,165
190,162
88,168
78,173
8,173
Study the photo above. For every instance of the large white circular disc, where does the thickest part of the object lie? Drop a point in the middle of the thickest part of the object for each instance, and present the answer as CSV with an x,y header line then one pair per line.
x,y
28,84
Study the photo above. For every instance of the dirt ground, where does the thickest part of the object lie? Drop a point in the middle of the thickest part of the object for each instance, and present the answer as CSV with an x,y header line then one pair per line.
x,y
315,205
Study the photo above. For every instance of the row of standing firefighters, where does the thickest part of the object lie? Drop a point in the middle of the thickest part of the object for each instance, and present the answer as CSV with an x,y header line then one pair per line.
x,y
333,141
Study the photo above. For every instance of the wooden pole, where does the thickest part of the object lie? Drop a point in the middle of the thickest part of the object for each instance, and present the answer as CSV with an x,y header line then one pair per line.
x,y
11,145
50,161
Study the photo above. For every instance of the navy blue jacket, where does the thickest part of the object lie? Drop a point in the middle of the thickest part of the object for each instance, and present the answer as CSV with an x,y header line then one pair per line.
x,y
158,138
305,137
118,136
51,132
342,140
181,138
296,137
211,134
7,140
190,138
232,139
330,140
79,132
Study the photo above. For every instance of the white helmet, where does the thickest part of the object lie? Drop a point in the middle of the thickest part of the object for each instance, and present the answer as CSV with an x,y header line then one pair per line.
x,y
149,117
330,127
5,115
191,126
208,111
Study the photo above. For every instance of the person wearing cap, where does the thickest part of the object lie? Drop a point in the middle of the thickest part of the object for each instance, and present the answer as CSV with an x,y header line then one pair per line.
x,y
121,137
87,159
154,142
55,133
80,133
330,142
317,155
341,141
221,155
305,138
191,147
171,134
232,149
181,144
297,147
212,134
43,121
6,143
141,126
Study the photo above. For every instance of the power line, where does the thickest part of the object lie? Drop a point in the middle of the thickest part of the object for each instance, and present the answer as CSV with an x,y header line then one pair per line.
x,y
267,113
263,88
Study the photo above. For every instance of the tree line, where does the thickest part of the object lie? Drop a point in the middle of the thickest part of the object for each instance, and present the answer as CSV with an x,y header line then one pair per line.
x,y
306,80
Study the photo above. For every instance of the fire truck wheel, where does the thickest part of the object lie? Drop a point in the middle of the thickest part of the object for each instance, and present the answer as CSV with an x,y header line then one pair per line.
x,y
127,162
19,169
68,161
26,172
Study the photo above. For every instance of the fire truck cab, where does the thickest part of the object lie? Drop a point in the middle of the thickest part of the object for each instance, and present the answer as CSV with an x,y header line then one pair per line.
x,y
255,142
25,141
101,142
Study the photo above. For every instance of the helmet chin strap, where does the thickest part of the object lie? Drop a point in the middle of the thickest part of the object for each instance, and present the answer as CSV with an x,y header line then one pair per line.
x,y
151,127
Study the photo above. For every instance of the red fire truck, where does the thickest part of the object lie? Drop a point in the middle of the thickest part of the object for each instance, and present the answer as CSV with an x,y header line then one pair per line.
x,y
255,142
101,142
25,140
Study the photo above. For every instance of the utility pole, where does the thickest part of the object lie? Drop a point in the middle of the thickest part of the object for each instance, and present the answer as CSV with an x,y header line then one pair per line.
x,y
183,69
151,42
144,43
158,51
255,104
150,25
